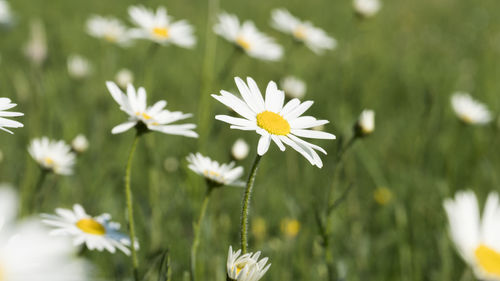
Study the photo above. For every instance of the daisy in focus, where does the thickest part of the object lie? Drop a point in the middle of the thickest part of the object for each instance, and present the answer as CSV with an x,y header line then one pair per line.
x,y
53,156
293,87
469,110
365,124
5,12
159,27
109,29
6,104
248,38
97,233
154,118
212,171
274,120
476,238
304,31
246,267
366,8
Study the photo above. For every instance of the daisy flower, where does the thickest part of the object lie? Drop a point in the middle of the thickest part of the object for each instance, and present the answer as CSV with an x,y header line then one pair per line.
x,y
109,29
246,36
240,149
5,104
246,267
469,110
55,156
365,124
36,48
160,28
273,121
27,252
80,144
124,77
97,233
154,118
476,239
79,67
366,8
293,87
314,38
5,12
225,174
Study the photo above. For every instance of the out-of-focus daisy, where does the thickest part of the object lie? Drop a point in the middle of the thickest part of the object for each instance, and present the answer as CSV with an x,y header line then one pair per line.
x,y
160,27
36,48
314,38
6,104
5,12
469,110
366,8
80,144
293,87
52,155
124,77
109,29
154,118
225,174
273,121
365,124
27,252
240,149
97,233
246,36
246,267
476,239
79,67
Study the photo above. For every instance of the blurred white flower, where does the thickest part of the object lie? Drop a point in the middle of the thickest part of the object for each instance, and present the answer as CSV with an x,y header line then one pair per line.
x,y
366,123
240,149
109,29
247,37
476,239
79,67
293,87
27,252
314,38
5,104
225,174
80,143
5,12
124,77
469,110
273,121
160,27
55,156
153,118
246,267
36,48
366,8
97,233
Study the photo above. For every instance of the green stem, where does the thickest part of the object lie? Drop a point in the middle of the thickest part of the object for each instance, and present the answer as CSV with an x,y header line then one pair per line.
x,y
37,192
197,232
128,194
246,204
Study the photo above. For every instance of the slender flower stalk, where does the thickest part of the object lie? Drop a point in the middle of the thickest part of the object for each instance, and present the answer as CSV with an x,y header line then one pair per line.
x,y
245,209
36,194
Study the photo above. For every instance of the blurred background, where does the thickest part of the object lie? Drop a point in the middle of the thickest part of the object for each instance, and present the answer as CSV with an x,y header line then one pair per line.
x,y
404,63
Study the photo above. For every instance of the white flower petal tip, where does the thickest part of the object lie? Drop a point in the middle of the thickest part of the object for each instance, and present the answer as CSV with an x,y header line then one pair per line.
x,y
6,104
246,267
109,29
469,110
52,155
215,173
365,124
366,8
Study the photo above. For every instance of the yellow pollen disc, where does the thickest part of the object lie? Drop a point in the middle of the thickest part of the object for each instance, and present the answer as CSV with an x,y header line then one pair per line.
x,y
299,32
488,259
110,38
49,161
161,32
91,226
466,119
243,43
273,123
146,117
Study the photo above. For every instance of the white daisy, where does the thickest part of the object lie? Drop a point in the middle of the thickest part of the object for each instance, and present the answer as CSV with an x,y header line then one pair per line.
x,y
293,87
273,121
366,8
80,144
240,149
160,28
314,38
124,77
154,117
366,123
97,233
6,104
27,252
79,67
246,267
36,48
246,36
5,12
476,239
109,29
55,156
469,110
225,174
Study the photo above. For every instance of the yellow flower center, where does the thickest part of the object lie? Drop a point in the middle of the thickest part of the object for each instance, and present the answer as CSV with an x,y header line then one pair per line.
x,y
488,259
91,226
146,117
208,173
290,227
299,32
48,161
110,38
382,195
466,119
161,32
273,123
243,43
